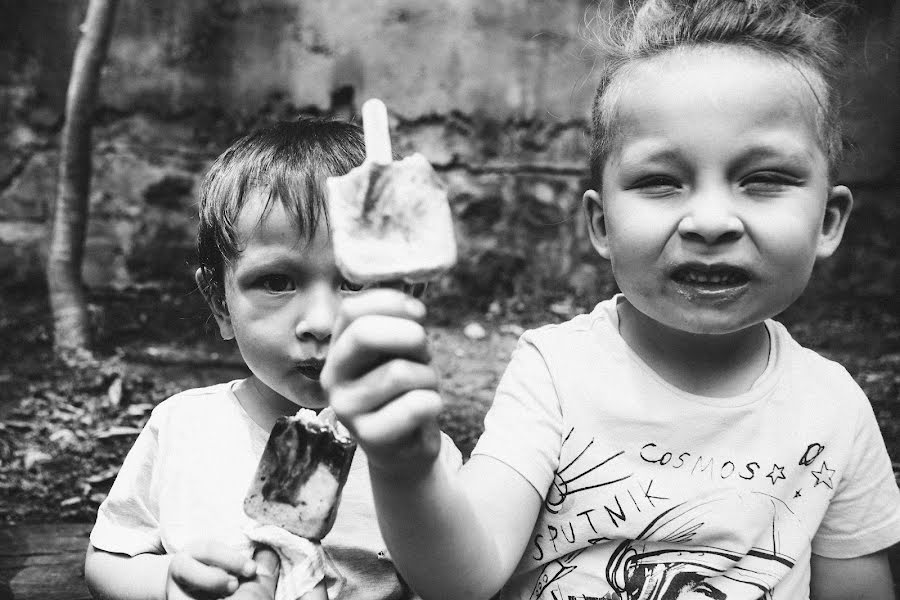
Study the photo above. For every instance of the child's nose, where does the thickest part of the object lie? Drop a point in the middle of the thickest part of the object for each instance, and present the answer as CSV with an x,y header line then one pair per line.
x,y
320,313
711,219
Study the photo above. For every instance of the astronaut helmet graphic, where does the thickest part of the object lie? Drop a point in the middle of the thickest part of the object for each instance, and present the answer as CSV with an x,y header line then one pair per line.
x,y
726,546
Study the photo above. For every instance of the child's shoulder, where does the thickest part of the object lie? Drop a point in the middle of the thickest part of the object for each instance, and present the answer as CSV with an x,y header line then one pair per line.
x,y
802,356
601,320
194,402
814,370
210,393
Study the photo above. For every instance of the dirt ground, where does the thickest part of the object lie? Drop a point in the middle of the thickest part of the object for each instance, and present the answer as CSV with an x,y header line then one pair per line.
x,y
64,432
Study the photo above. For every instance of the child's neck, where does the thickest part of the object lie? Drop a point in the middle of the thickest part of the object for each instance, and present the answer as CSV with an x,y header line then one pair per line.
x,y
263,404
706,365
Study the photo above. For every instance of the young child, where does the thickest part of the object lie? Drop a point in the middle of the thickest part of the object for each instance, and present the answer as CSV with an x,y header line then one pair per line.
x,y
173,524
675,442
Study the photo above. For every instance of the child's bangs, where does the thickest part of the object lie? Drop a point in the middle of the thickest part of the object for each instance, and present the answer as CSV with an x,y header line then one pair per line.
x,y
301,193
297,190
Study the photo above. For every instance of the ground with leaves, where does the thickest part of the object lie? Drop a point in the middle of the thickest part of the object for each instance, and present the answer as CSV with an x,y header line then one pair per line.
x,y
64,431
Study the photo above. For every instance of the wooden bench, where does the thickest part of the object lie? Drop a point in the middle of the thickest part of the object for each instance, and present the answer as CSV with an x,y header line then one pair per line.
x,y
43,562
46,562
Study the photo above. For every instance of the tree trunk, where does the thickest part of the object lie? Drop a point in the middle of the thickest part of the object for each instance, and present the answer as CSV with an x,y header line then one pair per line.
x,y
67,298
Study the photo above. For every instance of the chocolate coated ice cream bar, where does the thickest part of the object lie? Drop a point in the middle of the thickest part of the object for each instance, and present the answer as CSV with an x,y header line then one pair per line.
x,y
301,474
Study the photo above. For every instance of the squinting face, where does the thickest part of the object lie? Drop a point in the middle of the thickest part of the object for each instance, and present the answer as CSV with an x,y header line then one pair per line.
x,y
281,294
715,200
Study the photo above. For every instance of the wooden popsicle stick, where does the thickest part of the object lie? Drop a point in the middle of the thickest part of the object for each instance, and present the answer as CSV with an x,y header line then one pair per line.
x,y
376,131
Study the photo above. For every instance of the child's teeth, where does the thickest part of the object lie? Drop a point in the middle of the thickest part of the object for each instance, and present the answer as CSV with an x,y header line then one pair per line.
x,y
712,278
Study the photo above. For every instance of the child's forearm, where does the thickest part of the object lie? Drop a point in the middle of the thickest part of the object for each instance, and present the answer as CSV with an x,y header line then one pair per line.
x,y
121,577
863,578
446,536
434,537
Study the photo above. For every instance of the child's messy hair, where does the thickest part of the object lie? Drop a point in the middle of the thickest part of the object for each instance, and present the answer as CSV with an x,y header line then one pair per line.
x,y
288,160
803,36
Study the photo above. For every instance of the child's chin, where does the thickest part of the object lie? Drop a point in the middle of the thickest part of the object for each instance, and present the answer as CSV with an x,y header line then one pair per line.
x,y
715,327
310,395
311,403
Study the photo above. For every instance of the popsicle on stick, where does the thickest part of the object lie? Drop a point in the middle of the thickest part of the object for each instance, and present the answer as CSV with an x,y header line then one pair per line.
x,y
390,220
301,474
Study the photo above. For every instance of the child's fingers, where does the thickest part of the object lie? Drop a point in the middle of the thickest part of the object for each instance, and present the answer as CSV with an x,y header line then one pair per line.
x,y
267,563
209,568
397,422
370,340
378,387
193,577
219,555
379,301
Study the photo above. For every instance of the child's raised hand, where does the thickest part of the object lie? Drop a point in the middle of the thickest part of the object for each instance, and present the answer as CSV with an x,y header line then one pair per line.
x,y
380,383
206,569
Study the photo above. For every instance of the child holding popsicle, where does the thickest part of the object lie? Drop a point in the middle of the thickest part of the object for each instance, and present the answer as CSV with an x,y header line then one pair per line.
x,y
173,525
676,442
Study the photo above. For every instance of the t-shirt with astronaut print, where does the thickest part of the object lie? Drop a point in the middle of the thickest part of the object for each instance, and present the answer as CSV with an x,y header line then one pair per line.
x,y
652,492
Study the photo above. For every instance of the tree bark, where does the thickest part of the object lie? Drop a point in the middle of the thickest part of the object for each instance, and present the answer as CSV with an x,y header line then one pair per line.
x,y
70,216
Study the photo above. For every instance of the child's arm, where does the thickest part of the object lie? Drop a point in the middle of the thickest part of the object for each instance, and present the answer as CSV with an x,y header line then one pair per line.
x,y
452,534
205,569
864,578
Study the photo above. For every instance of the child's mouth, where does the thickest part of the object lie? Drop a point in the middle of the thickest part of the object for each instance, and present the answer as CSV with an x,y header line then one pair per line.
x,y
311,369
710,277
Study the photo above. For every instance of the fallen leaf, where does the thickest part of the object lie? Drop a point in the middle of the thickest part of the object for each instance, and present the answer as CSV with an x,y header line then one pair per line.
x,y
114,394
117,431
102,476
64,438
139,410
33,457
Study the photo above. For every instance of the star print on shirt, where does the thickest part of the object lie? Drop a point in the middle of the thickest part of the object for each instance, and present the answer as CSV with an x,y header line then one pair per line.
x,y
797,493
823,475
776,473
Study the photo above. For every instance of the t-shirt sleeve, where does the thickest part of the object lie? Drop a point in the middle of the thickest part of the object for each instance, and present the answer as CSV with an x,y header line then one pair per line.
x,y
523,427
128,519
450,455
864,514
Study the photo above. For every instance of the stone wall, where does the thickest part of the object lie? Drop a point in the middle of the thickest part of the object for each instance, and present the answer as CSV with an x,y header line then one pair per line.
x,y
496,94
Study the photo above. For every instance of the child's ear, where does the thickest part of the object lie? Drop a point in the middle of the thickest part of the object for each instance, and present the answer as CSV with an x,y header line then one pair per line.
x,y
837,211
596,218
216,301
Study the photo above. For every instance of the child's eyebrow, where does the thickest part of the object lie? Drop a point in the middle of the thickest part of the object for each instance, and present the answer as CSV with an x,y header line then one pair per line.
x,y
258,261
645,152
790,155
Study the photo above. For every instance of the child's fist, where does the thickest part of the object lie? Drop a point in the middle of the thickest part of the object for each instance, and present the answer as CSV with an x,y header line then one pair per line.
x,y
379,380
206,569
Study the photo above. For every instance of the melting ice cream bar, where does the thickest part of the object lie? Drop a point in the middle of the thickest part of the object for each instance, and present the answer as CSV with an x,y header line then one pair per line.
x,y
389,220
301,474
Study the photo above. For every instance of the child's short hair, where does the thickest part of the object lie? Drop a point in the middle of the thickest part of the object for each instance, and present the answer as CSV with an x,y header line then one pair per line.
x,y
291,160
803,37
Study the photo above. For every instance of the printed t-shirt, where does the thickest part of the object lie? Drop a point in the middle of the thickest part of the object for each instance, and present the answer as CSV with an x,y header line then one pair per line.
x,y
652,492
186,477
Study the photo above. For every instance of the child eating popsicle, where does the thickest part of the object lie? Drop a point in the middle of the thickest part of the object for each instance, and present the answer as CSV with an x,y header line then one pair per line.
x,y
173,525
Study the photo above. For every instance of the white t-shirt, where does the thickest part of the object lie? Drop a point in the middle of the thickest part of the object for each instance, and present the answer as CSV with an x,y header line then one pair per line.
x,y
186,477
652,492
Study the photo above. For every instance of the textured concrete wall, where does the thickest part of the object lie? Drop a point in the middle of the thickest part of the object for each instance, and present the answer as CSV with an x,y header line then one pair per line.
x,y
496,94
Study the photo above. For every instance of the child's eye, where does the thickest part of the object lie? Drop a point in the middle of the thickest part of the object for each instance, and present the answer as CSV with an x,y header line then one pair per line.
x,y
657,185
349,286
277,283
768,182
